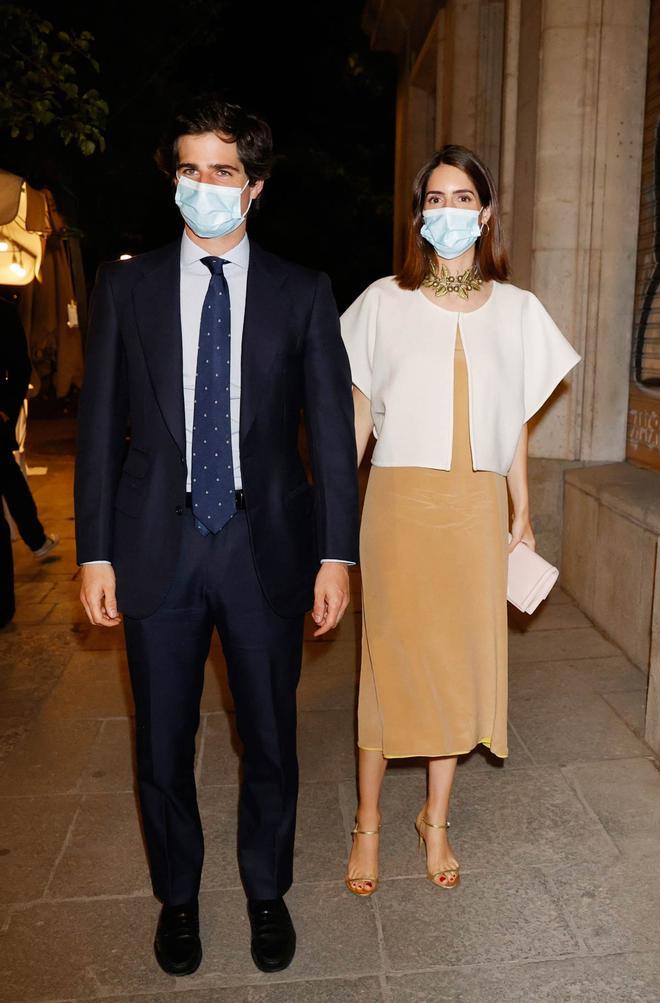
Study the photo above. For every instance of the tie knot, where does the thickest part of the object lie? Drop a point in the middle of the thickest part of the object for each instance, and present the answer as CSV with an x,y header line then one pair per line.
x,y
214,264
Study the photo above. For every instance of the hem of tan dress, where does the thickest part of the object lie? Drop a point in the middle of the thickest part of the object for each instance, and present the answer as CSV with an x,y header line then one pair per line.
x,y
434,755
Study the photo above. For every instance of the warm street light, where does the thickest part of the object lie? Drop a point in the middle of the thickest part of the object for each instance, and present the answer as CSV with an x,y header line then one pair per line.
x,y
17,269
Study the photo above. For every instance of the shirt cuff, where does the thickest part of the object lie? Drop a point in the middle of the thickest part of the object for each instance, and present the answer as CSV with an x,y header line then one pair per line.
x,y
326,560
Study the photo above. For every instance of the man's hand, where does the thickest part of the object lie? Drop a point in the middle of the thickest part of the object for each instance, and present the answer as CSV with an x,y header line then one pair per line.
x,y
332,593
97,594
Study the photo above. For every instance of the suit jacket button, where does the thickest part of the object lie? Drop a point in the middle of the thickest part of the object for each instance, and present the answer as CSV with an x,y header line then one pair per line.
x,y
179,510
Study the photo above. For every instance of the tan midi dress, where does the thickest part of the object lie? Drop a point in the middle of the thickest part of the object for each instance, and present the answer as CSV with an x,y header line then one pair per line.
x,y
434,641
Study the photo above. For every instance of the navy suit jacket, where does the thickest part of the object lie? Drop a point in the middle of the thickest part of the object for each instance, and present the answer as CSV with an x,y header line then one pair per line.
x,y
130,484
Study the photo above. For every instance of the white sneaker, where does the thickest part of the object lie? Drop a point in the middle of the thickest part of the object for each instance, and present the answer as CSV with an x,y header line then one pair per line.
x,y
45,548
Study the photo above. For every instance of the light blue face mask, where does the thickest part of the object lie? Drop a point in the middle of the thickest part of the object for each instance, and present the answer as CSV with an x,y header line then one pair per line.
x,y
210,210
451,232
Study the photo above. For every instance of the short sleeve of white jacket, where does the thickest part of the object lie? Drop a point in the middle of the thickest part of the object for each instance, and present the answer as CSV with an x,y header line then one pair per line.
x,y
547,355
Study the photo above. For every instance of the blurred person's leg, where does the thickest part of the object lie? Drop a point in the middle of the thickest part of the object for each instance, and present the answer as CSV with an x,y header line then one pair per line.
x,y
20,502
21,434
15,535
7,602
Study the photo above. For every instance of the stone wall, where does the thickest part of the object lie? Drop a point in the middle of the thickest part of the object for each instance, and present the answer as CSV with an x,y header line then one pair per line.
x,y
546,499
611,563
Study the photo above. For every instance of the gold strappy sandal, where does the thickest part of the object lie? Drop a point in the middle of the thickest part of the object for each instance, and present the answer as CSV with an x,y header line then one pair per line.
x,y
448,878
350,882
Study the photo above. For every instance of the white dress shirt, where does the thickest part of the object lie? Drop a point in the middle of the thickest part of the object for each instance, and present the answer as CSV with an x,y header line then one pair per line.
x,y
195,279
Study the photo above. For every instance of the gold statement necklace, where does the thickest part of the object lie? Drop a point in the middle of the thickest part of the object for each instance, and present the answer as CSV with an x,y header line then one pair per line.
x,y
442,283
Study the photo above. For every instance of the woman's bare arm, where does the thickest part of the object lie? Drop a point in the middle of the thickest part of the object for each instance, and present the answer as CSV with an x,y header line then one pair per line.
x,y
521,528
363,422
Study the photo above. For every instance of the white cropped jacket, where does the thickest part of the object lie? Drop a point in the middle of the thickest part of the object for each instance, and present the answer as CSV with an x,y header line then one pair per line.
x,y
401,350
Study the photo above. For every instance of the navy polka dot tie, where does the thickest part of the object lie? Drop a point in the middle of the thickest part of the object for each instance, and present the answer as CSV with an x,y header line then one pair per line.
x,y
213,493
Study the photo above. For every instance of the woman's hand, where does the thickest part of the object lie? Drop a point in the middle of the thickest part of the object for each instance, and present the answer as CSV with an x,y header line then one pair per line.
x,y
521,532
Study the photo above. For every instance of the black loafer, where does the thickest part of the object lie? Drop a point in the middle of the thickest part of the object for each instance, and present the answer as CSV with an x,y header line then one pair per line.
x,y
273,937
177,945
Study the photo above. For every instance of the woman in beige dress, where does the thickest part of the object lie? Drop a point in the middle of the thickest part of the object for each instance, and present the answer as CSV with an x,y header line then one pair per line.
x,y
448,361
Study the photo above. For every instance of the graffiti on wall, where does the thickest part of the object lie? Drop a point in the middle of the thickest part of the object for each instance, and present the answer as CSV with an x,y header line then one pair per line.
x,y
644,428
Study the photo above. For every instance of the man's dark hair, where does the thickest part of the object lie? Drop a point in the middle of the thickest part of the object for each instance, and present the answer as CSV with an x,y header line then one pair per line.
x,y
212,113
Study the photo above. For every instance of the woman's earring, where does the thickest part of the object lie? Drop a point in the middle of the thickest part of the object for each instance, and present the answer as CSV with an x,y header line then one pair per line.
x,y
482,229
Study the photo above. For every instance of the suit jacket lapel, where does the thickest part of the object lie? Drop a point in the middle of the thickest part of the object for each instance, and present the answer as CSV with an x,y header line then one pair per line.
x,y
265,313
156,300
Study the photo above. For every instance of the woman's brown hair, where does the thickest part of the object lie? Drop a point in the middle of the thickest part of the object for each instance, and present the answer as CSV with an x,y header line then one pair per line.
x,y
490,254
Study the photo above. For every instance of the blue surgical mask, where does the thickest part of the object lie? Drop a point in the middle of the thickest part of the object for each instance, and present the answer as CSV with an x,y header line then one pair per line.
x,y
451,232
210,210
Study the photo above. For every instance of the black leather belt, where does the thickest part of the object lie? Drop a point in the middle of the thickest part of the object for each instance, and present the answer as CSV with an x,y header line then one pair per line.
x,y
240,500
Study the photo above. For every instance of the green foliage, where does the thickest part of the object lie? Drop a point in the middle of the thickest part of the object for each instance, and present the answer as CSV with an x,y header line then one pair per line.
x,y
41,82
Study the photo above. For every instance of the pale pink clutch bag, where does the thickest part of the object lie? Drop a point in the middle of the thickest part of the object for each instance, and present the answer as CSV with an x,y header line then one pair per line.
x,y
530,578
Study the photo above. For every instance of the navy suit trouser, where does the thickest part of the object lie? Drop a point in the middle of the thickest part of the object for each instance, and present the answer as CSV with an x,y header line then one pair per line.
x,y
216,586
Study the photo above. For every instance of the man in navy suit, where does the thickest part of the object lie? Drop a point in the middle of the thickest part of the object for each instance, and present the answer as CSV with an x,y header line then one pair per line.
x,y
193,510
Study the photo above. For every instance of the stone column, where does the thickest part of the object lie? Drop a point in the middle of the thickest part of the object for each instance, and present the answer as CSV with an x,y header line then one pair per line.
x,y
586,198
520,139
508,144
461,55
470,55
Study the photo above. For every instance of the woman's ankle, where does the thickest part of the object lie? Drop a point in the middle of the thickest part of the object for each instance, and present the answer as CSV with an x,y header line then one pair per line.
x,y
435,814
367,818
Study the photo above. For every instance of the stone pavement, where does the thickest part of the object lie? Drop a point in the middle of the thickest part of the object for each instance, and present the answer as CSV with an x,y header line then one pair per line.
x,y
559,848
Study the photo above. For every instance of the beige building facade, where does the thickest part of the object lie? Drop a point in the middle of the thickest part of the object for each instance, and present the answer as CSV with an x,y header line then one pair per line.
x,y
559,98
